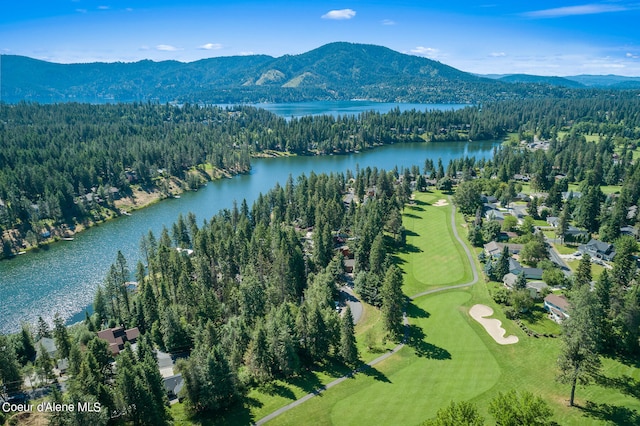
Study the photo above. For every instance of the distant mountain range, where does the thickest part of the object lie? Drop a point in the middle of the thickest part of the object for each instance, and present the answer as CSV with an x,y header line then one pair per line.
x,y
615,82
336,71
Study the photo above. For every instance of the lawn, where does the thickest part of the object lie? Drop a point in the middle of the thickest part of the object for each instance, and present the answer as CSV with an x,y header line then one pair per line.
x,y
371,335
451,357
596,270
440,363
564,249
431,257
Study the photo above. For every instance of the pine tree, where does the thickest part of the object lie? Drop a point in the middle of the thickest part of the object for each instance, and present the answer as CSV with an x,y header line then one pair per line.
x,y
61,337
502,265
583,277
348,348
210,385
392,301
42,329
10,377
257,357
25,350
579,361
521,282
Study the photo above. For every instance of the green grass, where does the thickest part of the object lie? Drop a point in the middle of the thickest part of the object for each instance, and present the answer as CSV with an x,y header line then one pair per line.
x,y
564,249
537,320
431,258
370,334
408,388
451,357
606,189
596,270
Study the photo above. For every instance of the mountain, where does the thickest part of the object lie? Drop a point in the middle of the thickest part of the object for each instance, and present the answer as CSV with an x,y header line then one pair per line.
x,y
334,71
611,81
536,79
607,81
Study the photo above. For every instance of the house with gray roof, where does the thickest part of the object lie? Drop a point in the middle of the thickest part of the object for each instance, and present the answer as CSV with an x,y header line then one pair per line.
x,y
598,250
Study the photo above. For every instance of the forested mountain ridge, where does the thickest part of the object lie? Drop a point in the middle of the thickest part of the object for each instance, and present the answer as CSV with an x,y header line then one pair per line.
x,y
336,71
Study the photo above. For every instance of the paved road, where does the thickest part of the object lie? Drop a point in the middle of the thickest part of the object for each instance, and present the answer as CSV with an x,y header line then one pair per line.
x,y
406,330
348,296
555,258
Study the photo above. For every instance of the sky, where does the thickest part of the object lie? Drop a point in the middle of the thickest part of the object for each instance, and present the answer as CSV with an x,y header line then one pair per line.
x,y
486,37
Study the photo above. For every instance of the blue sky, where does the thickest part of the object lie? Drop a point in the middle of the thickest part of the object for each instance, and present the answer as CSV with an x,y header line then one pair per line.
x,y
492,36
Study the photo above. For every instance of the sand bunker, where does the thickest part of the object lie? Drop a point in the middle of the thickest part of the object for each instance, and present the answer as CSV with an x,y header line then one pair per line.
x,y
441,203
493,326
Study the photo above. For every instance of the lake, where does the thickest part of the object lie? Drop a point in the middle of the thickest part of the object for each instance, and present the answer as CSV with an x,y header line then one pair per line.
x,y
335,108
63,276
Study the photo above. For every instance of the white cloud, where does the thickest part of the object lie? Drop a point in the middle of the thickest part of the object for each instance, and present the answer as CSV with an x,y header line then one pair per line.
x,y
388,22
339,14
585,9
81,10
497,54
104,7
166,48
211,46
246,53
632,55
429,52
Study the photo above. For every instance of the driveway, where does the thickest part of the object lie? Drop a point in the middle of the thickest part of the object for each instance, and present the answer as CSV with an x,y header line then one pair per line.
x,y
348,296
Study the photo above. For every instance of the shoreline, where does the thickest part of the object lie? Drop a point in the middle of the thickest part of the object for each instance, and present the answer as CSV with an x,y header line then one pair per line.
x,y
139,199
126,205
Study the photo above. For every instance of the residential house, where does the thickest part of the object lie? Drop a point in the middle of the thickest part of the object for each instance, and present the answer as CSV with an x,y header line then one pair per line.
x,y
598,249
118,336
553,221
536,288
573,232
630,231
530,273
173,385
509,280
114,192
347,199
49,346
349,264
571,195
557,306
494,249
494,214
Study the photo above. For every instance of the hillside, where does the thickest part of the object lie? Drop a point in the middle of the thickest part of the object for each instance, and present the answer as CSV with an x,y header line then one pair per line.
x,y
334,71
535,79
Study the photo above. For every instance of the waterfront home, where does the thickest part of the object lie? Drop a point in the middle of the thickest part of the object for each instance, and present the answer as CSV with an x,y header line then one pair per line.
x,y
116,337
